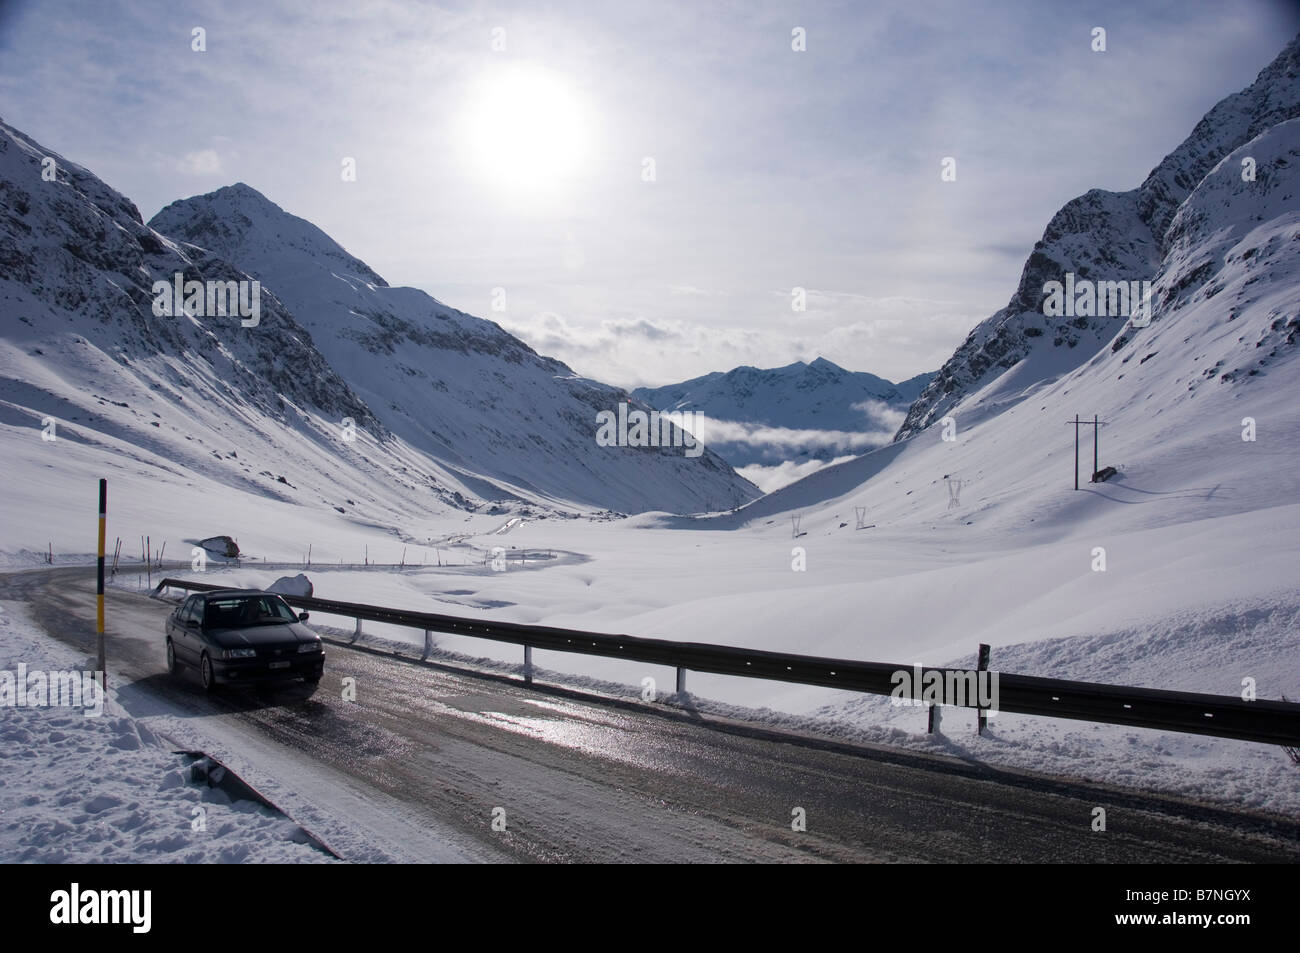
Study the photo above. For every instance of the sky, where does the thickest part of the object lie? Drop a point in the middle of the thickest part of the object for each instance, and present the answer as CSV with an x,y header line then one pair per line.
x,y
638,188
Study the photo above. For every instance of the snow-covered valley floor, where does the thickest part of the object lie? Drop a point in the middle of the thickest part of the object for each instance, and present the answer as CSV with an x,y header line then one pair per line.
x,y
1171,621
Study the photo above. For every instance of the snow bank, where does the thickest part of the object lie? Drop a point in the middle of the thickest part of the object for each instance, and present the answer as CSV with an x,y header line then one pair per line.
x,y
81,788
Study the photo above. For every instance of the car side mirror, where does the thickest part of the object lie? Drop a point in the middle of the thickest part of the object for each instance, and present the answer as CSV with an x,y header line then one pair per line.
x,y
302,616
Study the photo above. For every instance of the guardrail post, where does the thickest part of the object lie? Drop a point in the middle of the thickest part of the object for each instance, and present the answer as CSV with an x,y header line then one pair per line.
x,y
356,634
935,718
681,680
528,665
428,645
982,666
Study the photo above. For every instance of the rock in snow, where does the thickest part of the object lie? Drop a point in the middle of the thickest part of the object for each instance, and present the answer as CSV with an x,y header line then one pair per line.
x,y
298,585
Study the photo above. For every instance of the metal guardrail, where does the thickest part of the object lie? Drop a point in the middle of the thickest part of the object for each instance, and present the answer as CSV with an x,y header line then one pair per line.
x,y
1224,716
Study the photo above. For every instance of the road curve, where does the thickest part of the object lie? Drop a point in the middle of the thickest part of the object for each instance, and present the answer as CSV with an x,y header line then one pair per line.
x,y
575,778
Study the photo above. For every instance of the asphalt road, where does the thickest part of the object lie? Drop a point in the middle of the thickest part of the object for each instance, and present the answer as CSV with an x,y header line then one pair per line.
x,y
442,752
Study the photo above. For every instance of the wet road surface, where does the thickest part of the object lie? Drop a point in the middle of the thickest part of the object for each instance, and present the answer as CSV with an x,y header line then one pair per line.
x,y
575,778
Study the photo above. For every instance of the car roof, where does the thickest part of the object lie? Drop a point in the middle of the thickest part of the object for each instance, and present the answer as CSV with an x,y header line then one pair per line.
x,y
227,593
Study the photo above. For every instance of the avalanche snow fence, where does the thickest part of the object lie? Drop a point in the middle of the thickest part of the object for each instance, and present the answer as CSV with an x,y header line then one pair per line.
x,y
1225,716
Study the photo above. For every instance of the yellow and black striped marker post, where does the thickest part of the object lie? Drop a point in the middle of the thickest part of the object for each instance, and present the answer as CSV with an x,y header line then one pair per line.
x,y
99,591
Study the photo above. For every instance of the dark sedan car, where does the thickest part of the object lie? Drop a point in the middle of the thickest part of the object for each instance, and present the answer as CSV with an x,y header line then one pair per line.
x,y
240,636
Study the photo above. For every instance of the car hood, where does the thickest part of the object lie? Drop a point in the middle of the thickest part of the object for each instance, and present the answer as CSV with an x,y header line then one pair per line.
x,y
262,635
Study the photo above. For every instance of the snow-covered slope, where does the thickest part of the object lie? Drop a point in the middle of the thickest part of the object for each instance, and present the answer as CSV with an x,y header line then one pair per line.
x,y
183,399
208,403
1173,396
456,387
816,410
1100,236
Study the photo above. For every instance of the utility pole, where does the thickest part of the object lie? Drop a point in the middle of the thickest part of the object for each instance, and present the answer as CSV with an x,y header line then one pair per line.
x,y
1096,425
1076,451
954,490
1096,428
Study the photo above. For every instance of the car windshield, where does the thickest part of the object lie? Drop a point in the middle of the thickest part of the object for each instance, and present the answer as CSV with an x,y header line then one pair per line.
x,y
235,612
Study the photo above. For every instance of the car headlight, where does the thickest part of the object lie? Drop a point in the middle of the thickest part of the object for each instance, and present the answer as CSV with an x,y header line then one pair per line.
x,y
241,653
310,647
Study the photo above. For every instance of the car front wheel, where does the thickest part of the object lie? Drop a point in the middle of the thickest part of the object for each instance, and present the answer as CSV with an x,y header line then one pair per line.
x,y
171,658
205,672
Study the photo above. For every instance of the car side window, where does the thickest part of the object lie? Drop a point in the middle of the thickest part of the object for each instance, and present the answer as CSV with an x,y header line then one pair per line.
x,y
187,611
196,610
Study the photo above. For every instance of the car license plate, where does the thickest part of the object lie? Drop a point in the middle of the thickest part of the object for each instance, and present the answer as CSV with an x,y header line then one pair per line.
x,y
279,665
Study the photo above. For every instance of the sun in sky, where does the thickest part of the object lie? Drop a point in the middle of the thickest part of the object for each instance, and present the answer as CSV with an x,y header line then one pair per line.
x,y
525,131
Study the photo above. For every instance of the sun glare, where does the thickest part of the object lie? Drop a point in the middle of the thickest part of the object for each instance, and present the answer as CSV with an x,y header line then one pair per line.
x,y
525,131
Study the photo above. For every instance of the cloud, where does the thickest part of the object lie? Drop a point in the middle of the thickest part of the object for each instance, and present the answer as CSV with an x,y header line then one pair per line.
x,y
772,478
203,162
710,430
882,414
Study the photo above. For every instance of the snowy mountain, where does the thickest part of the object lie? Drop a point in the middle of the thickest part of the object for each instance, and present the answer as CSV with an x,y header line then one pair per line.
x,y
456,387
812,411
1100,236
1198,406
84,359
408,410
